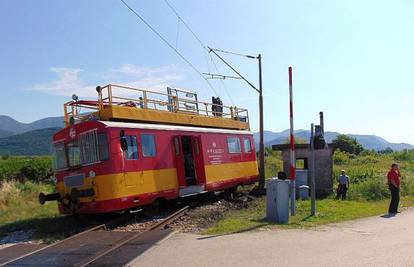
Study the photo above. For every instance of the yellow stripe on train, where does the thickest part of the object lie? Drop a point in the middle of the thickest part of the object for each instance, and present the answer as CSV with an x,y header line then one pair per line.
x,y
227,171
120,185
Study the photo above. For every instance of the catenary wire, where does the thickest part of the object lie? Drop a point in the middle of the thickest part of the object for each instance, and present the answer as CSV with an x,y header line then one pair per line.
x,y
169,45
203,46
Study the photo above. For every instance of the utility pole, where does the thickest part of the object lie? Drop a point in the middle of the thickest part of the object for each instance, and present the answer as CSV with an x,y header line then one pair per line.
x,y
260,91
261,129
312,176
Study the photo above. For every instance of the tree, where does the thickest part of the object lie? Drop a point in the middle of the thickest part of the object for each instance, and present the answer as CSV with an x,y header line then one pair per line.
x,y
347,144
387,150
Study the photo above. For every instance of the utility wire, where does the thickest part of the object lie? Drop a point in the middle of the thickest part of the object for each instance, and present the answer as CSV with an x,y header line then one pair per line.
x,y
222,82
233,53
185,24
190,30
202,45
169,45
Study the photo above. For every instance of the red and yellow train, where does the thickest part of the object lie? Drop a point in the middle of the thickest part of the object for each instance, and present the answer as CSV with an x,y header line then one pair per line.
x,y
105,166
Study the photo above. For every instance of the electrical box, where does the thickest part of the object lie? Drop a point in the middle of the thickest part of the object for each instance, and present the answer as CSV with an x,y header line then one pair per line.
x,y
277,200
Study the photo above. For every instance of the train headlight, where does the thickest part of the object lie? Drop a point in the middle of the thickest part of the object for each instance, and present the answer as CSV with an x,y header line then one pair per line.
x,y
92,174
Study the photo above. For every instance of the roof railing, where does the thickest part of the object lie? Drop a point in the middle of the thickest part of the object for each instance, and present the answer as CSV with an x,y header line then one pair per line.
x,y
119,95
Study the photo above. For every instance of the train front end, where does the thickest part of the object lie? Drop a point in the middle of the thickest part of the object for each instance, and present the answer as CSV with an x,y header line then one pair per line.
x,y
80,154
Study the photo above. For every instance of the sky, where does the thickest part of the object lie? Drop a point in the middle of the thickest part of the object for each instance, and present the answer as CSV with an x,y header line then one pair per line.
x,y
351,59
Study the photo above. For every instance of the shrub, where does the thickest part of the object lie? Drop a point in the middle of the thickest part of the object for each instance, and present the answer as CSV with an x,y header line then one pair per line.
x,y
8,193
371,189
404,155
340,157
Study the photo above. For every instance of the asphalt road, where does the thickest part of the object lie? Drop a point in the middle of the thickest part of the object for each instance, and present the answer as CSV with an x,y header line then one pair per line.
x,y
375,241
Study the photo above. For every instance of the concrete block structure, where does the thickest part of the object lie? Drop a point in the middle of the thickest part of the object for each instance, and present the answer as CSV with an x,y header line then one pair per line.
x,y
323,165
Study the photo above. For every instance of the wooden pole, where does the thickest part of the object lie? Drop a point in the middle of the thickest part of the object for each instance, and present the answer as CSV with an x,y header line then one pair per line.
x,y
312,174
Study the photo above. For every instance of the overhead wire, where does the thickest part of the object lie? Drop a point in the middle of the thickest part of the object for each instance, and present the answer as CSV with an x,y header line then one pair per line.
x,y
233,53
169,45
203,46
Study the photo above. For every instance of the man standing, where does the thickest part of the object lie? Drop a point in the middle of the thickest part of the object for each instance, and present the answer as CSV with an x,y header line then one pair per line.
x,y
343,185
394,186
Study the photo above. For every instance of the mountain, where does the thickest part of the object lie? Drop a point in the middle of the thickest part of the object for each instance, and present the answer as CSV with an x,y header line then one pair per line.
x,y
367,141
37,142
4,133
10,126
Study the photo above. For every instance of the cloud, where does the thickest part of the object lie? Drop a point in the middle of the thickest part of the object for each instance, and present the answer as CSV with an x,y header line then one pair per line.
x,y
75,81
66,83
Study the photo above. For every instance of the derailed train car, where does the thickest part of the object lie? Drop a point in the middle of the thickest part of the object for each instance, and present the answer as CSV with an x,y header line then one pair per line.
x,y
137,155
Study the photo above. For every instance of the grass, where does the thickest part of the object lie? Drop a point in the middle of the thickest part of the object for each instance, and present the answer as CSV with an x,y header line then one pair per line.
x,y
19,208
368,194
328,211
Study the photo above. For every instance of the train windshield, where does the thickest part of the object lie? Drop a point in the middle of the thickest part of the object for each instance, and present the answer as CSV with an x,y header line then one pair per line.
x,y
88,148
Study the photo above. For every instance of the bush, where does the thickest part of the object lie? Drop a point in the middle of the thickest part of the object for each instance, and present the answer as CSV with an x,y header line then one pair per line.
x,y
370,189
8,193
404,155
36,169
340,157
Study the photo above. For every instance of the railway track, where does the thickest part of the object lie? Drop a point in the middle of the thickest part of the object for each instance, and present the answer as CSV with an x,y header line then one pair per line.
x,y
97,246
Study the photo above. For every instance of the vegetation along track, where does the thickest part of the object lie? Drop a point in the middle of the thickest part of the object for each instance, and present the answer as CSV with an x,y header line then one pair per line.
x,y
98,247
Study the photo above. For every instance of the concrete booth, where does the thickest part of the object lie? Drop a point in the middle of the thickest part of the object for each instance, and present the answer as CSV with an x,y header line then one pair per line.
x,y
323,167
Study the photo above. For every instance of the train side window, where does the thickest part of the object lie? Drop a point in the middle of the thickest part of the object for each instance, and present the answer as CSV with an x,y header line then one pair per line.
x,y
233,145
132,150
247,145
148,145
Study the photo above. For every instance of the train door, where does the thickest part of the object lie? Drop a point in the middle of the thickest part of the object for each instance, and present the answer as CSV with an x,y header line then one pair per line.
x,y
190,165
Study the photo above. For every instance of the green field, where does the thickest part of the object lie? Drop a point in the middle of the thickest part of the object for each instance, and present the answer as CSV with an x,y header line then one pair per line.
x,y
368,194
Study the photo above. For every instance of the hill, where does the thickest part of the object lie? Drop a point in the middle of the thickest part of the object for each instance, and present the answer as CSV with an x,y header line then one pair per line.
x,y
367,141
4,133
9,126
37,142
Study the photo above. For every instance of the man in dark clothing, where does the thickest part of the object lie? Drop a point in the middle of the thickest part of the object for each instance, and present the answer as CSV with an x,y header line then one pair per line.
x,y
394,186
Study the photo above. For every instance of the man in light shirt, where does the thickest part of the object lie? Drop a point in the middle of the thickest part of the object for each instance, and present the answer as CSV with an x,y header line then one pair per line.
x,y
343,185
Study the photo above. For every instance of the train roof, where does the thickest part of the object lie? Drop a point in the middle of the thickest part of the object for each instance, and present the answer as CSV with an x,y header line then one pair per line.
x,y
132,125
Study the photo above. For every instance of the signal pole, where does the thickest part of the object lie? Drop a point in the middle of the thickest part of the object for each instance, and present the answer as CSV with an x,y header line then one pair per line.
x,y
261,129
292,148
260,91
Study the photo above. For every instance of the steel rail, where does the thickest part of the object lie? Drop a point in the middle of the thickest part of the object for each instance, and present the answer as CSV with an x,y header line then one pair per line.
x,y
101,226
158,225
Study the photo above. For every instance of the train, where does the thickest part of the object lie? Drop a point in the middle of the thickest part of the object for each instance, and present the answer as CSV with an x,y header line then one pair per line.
x,y
117,164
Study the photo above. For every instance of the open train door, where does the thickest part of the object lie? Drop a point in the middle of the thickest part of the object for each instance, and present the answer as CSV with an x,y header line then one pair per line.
x,y
189,164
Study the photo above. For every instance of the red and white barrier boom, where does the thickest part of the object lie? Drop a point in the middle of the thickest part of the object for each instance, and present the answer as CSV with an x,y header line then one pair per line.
x,y
292,149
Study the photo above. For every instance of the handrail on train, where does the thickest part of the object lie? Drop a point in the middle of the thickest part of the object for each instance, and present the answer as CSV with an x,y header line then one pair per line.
x,y
120,95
